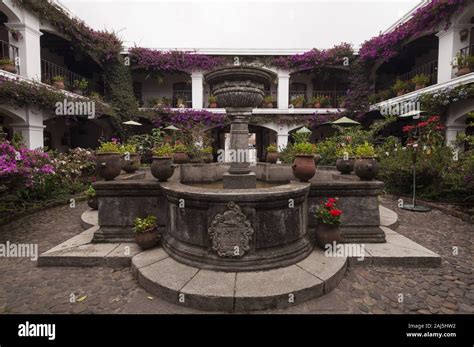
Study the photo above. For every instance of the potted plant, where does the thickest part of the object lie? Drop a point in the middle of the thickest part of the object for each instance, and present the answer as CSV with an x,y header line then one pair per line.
x,y
329,218
165,102
345,159
272,154
92,199
180,154
8,65
298,101
146,232
341,101
162,166
366,166
400,87
212,101
420,81
58,82
304,165
207,155
80,86
320,102
108,160
268,101
464,64
130,159
16,34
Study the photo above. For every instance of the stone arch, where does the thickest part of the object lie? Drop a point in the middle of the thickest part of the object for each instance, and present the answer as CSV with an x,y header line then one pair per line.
x,y
13,13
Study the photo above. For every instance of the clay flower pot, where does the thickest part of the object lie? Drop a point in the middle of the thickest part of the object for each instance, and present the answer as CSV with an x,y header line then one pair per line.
x,y
327,234
366,168
268,105
93,202
9,68
147,239
401,92
304,167
207,158
272,157
59,84
213,105
345,167
108,165
180,158
419,86
463,71
132,165
317,105
162,168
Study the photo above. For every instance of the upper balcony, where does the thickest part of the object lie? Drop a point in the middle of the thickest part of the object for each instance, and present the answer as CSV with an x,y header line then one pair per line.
x,y
10,53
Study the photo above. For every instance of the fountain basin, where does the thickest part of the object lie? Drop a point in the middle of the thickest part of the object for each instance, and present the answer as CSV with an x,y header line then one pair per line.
x,y
237,229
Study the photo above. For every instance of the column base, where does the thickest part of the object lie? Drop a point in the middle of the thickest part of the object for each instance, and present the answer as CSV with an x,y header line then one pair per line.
x,y
239,181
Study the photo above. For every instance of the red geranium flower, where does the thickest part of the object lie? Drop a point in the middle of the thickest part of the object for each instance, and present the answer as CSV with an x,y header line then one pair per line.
x,y
433,119
328,204
335,212
332,200
408,128
422,124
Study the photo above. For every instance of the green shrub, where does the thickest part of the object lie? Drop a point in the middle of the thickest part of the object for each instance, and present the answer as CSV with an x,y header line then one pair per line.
x,y
180,148
109,147
272,148
90,192
165,151
365,150
304,148
142,225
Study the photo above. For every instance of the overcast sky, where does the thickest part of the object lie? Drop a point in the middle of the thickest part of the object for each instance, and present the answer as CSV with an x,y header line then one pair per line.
x,y
241,24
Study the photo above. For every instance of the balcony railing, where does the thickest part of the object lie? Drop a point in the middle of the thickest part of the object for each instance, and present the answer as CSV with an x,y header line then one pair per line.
x,y
429,69
183,97
467,51
10,51
332,95
50,70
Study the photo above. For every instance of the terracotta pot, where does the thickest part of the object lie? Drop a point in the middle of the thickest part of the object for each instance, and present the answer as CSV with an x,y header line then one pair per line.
x,y
317,105
272,157
213,105
93,202
59,84
419,86
162,168
132,165
108,165
9,68
208,158
269,105
304,167
148,239
345,167
463,71
298,105
400,93
180,158
366,168
327,234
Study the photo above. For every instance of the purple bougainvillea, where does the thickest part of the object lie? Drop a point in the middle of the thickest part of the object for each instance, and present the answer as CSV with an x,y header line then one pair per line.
x,y
188,118
425,19
316,58
171,61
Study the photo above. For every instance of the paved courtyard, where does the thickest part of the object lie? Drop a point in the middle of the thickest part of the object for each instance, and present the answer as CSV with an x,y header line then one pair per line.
x,y
26,288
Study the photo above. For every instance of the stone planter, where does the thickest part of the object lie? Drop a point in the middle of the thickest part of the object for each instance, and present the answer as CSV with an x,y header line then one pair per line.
x,y
272,157
345,167
327,234
132,165
463,71
108,165
147,239
93,202
207,158
366,168
180,158
162,168
59,84
304,167
78,92
9,68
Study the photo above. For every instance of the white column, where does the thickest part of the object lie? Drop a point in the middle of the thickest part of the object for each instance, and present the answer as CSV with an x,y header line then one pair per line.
x,y
32,130
283,89
197,89
448,46
452,132
282,137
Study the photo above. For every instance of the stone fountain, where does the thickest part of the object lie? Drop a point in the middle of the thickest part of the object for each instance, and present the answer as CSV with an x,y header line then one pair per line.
x,y
239,90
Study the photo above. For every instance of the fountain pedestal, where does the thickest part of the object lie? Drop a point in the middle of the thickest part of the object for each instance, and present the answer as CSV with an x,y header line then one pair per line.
x,y
239,175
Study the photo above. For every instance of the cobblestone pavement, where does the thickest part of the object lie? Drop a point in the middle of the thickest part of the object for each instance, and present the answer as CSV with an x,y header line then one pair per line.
x,y
25,288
